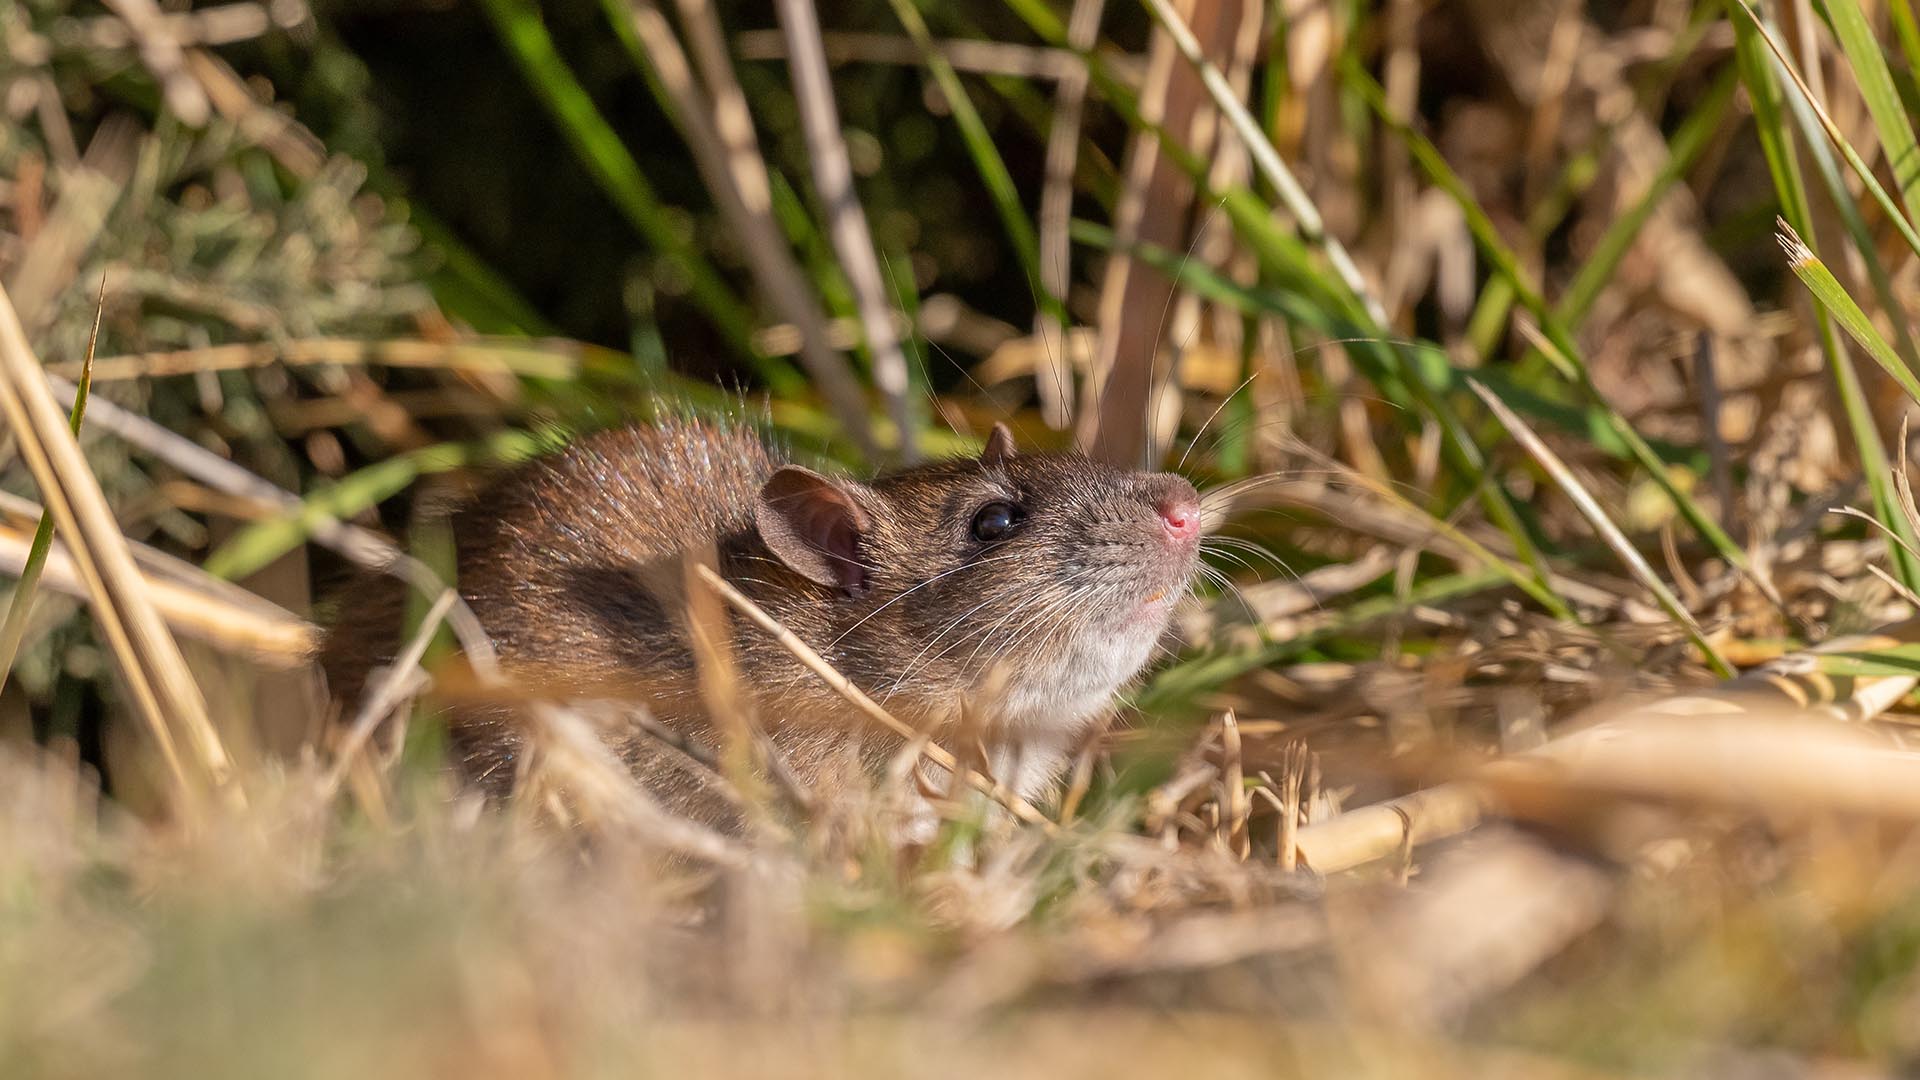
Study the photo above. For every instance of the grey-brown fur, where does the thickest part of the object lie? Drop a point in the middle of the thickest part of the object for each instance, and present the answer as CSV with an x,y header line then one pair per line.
x,y
573,564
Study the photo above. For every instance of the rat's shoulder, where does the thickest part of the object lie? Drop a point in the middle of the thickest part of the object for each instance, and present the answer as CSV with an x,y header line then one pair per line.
x,y
647,487
671,448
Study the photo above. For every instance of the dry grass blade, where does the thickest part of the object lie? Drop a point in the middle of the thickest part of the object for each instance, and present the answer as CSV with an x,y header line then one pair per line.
x,y
1267,159
603,792
976,57
1780,765
1596,516
718,130
1055,387
1715,765
533,359
15,627
296,149
160,51
846,221
1384,829
1840,304
382,697
363,547
814,662
257,630
1233,779
747,743
1154,204
1834,134
149,659
1401,521
1293,778
46,267
223,24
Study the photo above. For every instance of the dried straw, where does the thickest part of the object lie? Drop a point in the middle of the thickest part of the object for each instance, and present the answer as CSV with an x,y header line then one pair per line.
x,y
718,130
846,221
1705,745
156,675
273,638
872,709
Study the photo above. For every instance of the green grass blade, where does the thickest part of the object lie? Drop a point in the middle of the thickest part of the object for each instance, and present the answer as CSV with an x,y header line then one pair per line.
x,y
262,542
1683,151
1769,124
1266,158
1850,217
1870,72
1586,421
986,156
1892,662
1404,375
1826,289
1832,130
1541,591
1596,516
1039,16
1834,305
1766,97
1504,262
1558,346
14,630
518,24
1906,31
1176,687
1286,256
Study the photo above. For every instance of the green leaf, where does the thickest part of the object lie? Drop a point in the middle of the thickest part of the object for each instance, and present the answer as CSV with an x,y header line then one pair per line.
x,y
1766,97
1832,130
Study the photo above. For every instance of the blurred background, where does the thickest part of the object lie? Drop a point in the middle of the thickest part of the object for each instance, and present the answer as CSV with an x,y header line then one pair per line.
x,y
1529,353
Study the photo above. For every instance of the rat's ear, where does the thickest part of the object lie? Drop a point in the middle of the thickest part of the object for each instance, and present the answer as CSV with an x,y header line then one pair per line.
x,y
814,526
999,446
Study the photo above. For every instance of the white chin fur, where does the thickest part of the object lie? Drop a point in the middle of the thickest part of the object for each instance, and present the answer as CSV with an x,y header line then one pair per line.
x,y
1057,699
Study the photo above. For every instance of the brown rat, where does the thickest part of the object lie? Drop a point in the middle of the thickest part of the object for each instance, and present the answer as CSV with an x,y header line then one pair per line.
x,y
1020,590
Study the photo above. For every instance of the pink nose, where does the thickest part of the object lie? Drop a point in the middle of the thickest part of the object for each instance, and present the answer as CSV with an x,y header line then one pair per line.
x,y
1182,516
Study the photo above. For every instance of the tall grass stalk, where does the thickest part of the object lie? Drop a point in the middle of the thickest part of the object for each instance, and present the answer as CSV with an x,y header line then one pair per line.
x,y
20,608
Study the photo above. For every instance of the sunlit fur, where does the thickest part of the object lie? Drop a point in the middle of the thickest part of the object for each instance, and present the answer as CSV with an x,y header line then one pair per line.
x,y
573,565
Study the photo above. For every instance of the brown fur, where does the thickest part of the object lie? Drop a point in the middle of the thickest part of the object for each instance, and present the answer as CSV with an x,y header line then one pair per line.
x,y
573,564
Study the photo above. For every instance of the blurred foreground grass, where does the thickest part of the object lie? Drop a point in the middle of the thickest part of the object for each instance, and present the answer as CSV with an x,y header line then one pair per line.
x,y
1470,318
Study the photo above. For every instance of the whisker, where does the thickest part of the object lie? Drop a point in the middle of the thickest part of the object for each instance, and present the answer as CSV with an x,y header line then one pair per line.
x,y
912,664
1227,583
1220,544
1211,417
909,591
1035,622
1159,333
1045,602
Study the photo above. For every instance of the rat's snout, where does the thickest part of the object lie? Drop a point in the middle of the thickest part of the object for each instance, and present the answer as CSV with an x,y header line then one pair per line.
x,y
1179,508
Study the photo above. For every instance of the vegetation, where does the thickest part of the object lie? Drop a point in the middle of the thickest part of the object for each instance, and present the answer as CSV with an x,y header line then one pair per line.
x,y
1547,371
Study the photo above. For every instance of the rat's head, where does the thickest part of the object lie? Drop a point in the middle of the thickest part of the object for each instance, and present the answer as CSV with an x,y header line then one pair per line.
x,y
1045,579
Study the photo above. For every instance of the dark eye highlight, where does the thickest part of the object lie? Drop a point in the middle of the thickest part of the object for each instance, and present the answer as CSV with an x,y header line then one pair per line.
x,y
995,520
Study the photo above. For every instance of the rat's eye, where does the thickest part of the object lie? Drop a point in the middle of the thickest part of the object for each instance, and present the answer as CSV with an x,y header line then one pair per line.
x,y
995,520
